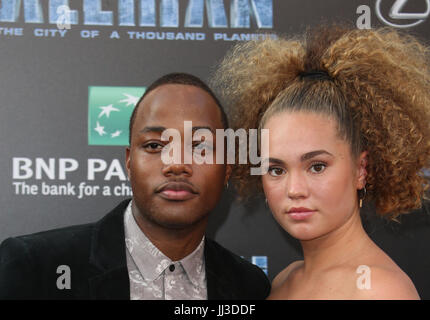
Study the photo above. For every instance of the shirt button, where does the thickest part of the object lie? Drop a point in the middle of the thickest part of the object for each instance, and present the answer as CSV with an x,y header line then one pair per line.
x,y
172,267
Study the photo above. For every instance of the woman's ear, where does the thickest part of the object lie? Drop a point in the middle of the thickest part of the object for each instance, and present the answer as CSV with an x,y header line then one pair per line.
x,y
362,170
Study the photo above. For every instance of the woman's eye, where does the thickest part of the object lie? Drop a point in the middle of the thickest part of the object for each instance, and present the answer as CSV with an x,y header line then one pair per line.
x,y
318,167
276,172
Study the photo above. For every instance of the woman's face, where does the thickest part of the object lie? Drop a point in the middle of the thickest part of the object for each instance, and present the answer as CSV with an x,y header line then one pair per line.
x,y
312,182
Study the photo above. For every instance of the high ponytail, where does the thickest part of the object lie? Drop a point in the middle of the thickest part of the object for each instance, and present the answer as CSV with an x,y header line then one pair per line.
x,y
385,76
375,83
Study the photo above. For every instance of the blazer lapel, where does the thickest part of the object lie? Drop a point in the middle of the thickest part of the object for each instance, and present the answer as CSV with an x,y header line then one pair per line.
x,y
109,279
218,284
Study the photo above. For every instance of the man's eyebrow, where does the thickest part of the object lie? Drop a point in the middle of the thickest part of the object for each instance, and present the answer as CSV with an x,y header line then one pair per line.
x,y
312,154
161,129
203,127
152,129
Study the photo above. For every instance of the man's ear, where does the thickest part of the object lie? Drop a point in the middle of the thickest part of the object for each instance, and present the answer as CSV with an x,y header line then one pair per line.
x,y
127,161
228,171
362,170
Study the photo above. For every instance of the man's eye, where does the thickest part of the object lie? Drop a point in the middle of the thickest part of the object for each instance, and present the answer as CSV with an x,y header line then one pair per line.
x,y
198,144
153,146
318,167
276,172
202,145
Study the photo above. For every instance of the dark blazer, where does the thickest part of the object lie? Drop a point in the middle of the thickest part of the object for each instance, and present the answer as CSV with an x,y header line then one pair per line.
x,y
96,255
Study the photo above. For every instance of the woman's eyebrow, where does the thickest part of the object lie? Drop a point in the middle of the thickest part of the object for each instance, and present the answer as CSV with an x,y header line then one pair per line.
x,y
312,154
306,156
276,161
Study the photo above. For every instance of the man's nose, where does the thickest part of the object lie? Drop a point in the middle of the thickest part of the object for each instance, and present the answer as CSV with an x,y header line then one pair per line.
x,y
177,169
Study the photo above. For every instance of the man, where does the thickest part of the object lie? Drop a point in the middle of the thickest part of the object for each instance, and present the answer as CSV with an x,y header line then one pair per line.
x,y
152,247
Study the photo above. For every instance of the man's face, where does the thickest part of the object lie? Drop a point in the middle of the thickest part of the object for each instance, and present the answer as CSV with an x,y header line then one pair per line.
x,y
173,195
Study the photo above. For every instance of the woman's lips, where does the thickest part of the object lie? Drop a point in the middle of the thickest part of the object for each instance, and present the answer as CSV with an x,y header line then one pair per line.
x,y
300,213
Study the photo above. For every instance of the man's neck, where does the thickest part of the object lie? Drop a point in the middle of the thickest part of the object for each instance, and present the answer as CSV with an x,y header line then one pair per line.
x,y
175,243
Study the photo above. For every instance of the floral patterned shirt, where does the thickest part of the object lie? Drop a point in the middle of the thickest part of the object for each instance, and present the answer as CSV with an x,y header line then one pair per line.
x,y
153,276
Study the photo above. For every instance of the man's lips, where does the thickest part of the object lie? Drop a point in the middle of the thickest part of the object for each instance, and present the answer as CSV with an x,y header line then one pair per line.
x,y
178,191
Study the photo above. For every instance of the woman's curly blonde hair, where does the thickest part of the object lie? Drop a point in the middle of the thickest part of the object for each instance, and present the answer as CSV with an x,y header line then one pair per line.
x,y
377,88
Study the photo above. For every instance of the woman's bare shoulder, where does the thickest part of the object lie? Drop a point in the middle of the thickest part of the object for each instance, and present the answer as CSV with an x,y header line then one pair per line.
x,y
388,284
283,275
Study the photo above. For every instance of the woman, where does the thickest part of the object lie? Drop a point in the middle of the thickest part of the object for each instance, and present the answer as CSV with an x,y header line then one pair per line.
x,y
348,115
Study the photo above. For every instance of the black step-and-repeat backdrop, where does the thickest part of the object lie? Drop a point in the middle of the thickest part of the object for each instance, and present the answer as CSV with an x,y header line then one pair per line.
x,y
71,72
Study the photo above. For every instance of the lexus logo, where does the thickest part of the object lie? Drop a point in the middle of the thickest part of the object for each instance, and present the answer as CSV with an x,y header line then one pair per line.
x,y
396,13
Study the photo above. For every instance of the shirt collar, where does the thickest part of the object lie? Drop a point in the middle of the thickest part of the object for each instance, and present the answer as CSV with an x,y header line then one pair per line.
x,y
194,265
151,262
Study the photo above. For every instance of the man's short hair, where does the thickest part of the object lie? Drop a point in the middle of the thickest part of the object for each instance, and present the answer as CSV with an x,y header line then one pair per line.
x,y
179,78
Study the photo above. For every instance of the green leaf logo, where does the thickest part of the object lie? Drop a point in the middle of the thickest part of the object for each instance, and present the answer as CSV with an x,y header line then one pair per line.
x,y
109,112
